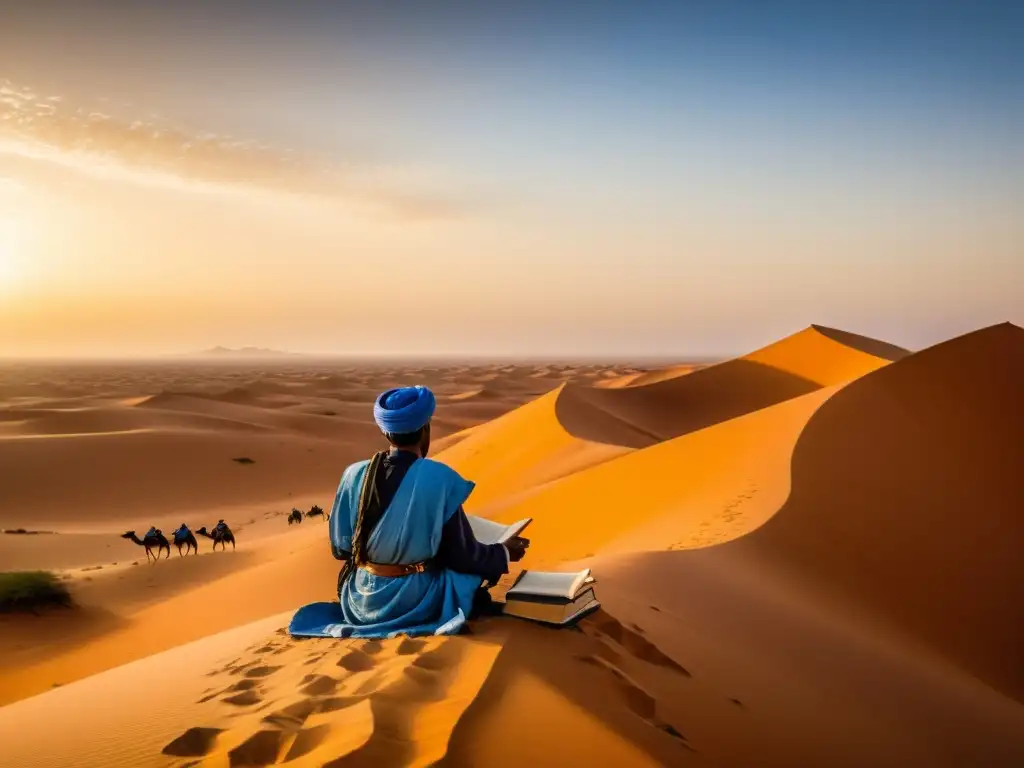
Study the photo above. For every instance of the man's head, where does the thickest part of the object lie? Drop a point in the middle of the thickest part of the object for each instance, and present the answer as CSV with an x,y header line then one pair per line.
x,y
418,441
404,415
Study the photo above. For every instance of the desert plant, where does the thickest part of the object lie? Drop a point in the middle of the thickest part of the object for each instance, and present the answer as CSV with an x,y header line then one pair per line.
x,y
31,591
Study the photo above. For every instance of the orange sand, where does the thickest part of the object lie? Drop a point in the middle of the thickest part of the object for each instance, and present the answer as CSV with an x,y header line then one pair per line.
x,y
806,556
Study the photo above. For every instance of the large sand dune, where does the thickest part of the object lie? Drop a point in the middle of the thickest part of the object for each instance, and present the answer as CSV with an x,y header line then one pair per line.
x,y
908,501
806,556
667,407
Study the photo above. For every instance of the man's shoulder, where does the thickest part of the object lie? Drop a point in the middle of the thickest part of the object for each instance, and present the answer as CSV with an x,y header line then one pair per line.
x,y
439,468
442,473
353,473
356,467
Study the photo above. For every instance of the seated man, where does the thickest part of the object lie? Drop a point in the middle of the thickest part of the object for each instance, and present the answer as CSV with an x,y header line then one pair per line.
x,y
152,533
181,533
412,563
221,526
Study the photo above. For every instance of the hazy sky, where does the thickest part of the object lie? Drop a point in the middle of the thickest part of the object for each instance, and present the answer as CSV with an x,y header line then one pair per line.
x,y
519,177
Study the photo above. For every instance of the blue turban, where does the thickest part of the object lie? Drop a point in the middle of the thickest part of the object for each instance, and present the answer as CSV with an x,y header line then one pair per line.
x,y
404,410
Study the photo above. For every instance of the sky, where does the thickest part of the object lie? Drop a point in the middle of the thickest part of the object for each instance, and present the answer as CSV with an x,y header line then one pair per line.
x,y
525,178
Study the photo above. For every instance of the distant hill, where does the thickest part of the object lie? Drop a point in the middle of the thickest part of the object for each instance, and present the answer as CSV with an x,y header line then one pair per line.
x,y
245,352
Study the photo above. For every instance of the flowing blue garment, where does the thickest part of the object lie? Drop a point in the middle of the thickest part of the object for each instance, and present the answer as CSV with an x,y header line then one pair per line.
x,y
429,603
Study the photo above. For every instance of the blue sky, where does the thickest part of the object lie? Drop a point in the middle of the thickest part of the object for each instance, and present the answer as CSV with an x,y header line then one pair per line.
x,y
660,177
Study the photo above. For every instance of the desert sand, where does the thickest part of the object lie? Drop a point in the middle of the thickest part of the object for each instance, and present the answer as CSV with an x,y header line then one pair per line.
x,y
808,555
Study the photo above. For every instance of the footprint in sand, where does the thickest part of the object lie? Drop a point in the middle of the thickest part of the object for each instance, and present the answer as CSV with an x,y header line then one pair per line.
x,y
307,740
212,693
243,699
372,647
292,717
639,701
195,742
320,685
604,625
261,748
410,646
328,720
357,661
261,671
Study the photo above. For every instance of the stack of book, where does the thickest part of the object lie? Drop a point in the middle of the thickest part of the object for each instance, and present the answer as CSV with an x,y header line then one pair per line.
x,y
552,598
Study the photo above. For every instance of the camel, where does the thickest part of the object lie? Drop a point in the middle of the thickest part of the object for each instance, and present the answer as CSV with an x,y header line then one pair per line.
x,y
317,512
157,542
189,542
219,536
295,517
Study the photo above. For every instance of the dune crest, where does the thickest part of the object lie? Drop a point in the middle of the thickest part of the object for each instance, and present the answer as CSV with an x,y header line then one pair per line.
x,y
639,416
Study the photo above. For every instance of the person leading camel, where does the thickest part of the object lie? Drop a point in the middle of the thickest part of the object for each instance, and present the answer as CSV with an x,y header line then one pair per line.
x,y
411,562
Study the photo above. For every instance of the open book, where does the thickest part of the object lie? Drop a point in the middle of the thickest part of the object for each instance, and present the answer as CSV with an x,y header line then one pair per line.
x,y
552,598
558,585
489,532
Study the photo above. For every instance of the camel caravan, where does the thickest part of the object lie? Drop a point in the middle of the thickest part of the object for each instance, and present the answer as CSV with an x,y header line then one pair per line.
x,y
183,537
297,515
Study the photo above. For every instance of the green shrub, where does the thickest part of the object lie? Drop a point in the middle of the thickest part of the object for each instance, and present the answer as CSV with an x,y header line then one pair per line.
x,y
31,591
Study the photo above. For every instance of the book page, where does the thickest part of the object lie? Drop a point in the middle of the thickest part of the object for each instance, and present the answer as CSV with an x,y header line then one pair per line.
x,y
490,532
550,584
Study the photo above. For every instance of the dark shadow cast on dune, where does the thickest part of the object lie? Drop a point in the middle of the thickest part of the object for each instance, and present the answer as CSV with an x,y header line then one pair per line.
x,y
642,416
590,672
906,501
865,344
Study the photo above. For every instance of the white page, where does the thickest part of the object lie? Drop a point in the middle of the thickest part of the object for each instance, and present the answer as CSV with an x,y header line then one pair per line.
x,y
490,532
550,584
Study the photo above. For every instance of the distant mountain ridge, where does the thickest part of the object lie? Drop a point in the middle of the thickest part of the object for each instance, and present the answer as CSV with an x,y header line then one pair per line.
x,y
245,352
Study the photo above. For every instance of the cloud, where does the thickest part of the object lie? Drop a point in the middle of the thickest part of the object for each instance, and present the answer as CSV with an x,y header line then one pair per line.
x,y
152,151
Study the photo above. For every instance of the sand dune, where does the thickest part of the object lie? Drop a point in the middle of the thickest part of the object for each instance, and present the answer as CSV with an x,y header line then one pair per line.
x,y
521,449
117,455
643,378
637,416
806,556
906,501
696,490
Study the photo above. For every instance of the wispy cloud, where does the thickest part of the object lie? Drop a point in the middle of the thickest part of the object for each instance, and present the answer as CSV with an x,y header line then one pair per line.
x,y
150,151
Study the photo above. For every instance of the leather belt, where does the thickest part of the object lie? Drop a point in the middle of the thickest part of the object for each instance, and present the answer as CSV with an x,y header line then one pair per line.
x,y
395,569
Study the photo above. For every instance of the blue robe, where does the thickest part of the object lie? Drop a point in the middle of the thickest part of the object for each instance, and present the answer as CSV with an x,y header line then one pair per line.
x,y
431,603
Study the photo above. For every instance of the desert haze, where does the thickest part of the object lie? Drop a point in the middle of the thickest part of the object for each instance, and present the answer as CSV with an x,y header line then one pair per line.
x,y
807,555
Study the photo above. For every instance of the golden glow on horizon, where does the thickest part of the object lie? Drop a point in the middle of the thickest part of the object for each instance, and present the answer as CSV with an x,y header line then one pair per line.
x,y
12,253
123,234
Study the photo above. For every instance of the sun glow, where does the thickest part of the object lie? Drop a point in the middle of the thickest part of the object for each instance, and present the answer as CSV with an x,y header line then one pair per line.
x,y
12,256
